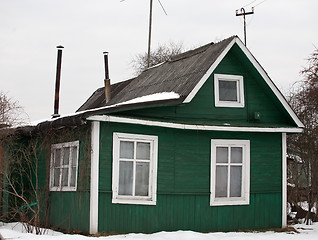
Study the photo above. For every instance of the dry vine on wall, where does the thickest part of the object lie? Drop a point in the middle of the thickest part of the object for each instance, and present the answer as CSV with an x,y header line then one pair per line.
x,y
25,174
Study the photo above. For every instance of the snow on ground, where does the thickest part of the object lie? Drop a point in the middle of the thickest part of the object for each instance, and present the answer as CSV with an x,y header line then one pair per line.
x,y
14,231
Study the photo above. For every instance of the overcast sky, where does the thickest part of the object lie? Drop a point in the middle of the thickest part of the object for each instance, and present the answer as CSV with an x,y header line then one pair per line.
x,y
281,35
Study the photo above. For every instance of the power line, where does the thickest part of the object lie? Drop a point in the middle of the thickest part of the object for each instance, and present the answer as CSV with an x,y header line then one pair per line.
x,y
259,3
254,2
163,7
249,4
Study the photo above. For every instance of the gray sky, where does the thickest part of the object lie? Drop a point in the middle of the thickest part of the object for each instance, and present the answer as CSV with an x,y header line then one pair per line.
x,y
281,35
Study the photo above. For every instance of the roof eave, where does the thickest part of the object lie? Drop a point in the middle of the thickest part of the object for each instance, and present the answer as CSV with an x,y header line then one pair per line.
x,y
133,106
129,120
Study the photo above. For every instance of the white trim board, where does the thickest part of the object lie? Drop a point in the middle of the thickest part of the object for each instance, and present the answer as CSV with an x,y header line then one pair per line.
x,y
284,180
93,213
260,70
106,118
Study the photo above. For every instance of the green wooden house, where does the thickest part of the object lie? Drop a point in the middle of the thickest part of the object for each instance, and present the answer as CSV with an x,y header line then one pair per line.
x,y
195,143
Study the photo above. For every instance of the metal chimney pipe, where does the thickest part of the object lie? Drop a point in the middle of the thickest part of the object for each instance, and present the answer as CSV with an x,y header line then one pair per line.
x,y
107,80
57,82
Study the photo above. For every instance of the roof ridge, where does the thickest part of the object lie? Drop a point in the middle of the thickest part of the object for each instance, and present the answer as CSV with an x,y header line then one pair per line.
x,y
196,51
190,53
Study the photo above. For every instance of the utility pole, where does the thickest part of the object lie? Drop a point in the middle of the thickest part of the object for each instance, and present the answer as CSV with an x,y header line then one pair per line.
x,y
243,13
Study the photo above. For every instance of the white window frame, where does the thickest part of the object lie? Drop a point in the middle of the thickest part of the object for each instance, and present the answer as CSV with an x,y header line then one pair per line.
x,y
245,190
62,146
240,91
151,199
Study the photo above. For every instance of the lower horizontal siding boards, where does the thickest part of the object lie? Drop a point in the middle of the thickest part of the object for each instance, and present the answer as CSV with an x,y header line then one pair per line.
x,y
189,212
69,210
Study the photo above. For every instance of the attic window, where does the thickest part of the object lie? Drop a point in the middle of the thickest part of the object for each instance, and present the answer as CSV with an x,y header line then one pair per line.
x,y
229,90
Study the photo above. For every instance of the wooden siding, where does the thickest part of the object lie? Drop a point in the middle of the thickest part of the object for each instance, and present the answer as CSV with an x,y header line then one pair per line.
x,y
69,210
258,98
66,210
184,184
189,212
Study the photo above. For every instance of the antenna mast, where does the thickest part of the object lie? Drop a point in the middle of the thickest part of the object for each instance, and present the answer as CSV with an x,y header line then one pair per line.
x,y
150,27
149,37
243,13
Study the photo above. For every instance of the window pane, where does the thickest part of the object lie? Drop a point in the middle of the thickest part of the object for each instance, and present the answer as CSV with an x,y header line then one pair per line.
x,y
236,155
228,91
66,155
57,157
74,156
236,181
221,181
142,179
73,177
125,178
56,175
126,150
64,177
143,151
221,154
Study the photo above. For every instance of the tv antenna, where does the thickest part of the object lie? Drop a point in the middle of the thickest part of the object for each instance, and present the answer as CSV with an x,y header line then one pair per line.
x,y
150,28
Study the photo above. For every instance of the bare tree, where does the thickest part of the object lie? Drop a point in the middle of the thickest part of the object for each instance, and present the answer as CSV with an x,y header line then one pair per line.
x,y
304,100
11,112
21,196
161,54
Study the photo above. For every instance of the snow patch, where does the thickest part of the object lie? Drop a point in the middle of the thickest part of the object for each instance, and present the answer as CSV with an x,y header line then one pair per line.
x,y
152,97
14,231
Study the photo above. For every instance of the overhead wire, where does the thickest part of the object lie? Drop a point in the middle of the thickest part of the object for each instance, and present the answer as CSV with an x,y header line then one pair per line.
x,y
163,8
259,3
249,4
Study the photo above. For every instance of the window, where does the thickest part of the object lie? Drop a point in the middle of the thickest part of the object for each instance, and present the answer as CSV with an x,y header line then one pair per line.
x,y
230,172
64,166
229,90
134,168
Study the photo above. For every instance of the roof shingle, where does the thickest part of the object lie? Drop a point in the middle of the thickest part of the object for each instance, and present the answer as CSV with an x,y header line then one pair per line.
x,y
180,74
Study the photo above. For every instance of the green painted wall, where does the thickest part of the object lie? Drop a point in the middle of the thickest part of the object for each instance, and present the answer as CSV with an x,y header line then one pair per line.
x,y
184,184
258,98
183,180
66,210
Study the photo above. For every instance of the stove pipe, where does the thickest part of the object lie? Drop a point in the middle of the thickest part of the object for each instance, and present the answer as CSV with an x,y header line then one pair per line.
x,y
107,80
57,82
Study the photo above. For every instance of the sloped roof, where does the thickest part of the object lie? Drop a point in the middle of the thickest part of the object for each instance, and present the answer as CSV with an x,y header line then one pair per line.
x,y
173,82
180,75
183,74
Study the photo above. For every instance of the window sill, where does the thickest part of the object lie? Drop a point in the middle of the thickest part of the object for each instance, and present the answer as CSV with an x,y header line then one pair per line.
x,y
64,189
133,201
228,202
229,104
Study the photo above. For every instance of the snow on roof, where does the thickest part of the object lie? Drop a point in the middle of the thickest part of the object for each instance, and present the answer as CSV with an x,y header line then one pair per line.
x,y
152,97
149,98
